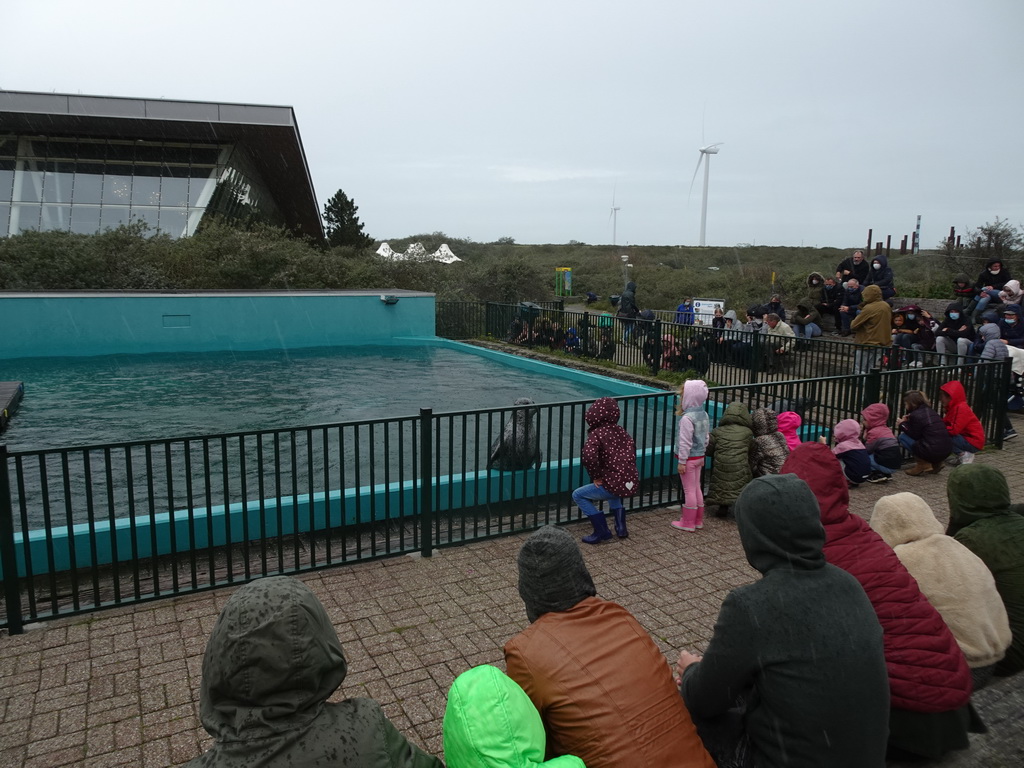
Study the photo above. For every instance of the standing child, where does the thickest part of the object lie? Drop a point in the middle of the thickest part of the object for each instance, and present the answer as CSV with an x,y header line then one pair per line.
x,y
729,447
883,448
768,449
961,423
609,456
691,446
853,456
923,434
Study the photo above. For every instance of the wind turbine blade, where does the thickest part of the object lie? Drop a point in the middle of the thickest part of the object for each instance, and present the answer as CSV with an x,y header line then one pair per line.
x,y
700,159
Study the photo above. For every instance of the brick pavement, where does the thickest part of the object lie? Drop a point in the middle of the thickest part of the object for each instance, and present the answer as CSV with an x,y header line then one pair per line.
x,y
121,687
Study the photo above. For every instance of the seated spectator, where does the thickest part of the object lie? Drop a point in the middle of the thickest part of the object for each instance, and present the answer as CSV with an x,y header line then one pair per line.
x,y
775,305
1011,329
850,306
990,282
961,423
911,330
489,722
955,580
271,664
795,672
983,520
778,339
923,433
1011,293
606,347
789,425
695,357
853,268
572,344
854,458
830,306
988,345
557,337
883,448
597,678
929,680
955,333
805,320
881,275
963,289
768,449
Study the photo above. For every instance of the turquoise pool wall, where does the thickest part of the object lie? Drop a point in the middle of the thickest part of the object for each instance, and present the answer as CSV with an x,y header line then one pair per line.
x,y
82,324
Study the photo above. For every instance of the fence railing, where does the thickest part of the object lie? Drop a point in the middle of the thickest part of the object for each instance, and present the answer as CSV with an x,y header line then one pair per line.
x,y
721,356
92,527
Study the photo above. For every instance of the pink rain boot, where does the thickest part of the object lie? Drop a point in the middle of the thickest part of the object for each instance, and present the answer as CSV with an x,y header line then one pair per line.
x,y
687,520
699,521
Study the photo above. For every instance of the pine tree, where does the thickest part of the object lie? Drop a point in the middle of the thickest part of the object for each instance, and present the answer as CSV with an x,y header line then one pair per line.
x,y
341,223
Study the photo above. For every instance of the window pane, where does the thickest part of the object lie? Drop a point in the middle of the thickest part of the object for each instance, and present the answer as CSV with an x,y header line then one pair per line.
x,y
114,216
6,180
173,189
24,218
85,219
146,185
8,145
117,185
205,155
57,182
148,215
31,190
92,150
123,153
88,183
56,217
5,218
173,221
199,191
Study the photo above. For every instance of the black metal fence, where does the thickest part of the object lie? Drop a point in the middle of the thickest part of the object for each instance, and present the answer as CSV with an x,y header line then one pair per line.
x,y
92,527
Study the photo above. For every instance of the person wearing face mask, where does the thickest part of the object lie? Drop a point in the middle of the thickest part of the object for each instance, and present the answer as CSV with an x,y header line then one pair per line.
x,y
991,281
1011,329
955,333
911,330
881,275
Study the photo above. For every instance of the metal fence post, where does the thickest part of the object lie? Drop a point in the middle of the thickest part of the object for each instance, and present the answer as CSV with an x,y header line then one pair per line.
x,y
658,351
426,482
872,387
755,356
8,554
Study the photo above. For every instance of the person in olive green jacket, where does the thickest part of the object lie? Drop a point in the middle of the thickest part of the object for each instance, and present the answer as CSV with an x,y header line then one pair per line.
x,y
981,518
729,447
490,722
872,327
272,661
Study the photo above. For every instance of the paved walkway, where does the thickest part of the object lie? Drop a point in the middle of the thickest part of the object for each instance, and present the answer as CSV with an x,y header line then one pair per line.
x,y
121,687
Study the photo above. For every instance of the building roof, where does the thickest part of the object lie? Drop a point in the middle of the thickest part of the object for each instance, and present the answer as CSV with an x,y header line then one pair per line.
x,y
270,134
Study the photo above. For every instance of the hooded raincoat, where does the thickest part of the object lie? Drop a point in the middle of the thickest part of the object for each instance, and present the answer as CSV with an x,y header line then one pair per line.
x,y
879,438
980,518
609,453
777,640
851,452
729,445
692,437
768,449
600,683
929,680
959,418
873,326
882,276
789,425
955,580
490,722
272,661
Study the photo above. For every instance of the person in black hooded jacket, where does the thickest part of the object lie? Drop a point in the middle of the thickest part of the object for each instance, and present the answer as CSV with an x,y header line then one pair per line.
x,y
775,642
990,282
955,333
881,275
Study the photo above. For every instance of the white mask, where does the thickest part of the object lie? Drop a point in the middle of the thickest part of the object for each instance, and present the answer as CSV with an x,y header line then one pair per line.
x,y
876,266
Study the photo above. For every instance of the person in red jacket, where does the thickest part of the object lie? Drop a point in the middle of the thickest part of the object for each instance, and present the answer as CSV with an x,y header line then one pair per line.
x,y
961,423
929,680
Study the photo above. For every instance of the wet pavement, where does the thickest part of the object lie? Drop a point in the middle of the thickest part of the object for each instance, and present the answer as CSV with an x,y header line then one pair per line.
x,y
121,687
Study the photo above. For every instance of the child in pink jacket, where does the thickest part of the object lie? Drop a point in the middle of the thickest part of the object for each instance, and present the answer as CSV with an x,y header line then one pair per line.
x,y
789,426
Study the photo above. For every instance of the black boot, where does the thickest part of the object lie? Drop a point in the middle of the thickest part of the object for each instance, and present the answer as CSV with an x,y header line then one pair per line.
x,y
601,532
620,523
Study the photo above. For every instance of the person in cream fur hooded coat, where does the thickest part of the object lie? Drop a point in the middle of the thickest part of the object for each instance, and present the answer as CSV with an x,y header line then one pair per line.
x,y
953,578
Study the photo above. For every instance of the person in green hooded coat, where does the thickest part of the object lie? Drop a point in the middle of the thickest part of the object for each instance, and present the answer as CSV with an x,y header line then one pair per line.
x,y
272,661
490,722
983,520
729,447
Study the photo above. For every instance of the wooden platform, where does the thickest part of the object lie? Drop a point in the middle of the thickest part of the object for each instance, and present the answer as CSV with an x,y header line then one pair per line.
x,y
10,398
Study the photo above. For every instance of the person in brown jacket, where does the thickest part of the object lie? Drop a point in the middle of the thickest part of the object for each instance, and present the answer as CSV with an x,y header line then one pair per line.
x,y
601,684
872,327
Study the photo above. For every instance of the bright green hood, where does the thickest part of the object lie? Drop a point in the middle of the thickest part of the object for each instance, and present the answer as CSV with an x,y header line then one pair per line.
x,y
490,722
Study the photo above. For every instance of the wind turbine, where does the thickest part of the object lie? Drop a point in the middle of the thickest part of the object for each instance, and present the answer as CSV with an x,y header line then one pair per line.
x,y
614,216
705,157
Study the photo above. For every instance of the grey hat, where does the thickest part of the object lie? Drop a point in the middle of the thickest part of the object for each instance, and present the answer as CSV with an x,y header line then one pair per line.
x,y
552,574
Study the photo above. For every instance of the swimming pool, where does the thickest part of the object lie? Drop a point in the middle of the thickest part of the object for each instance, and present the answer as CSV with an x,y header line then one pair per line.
x,y
121,398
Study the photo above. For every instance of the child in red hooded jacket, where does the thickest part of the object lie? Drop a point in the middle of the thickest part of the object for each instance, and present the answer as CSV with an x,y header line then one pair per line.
x,y
961,423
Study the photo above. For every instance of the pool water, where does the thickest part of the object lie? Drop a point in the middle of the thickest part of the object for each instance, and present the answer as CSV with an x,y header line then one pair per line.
x,y
121,398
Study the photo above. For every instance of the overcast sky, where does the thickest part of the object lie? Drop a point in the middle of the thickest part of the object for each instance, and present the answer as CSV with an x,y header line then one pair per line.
x,y
523,119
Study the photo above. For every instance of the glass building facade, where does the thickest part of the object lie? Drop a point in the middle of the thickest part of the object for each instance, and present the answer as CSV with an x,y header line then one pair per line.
x,y
87,184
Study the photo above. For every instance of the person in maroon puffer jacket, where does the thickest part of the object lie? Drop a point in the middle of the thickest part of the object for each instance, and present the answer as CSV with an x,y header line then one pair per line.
x,y
929,680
